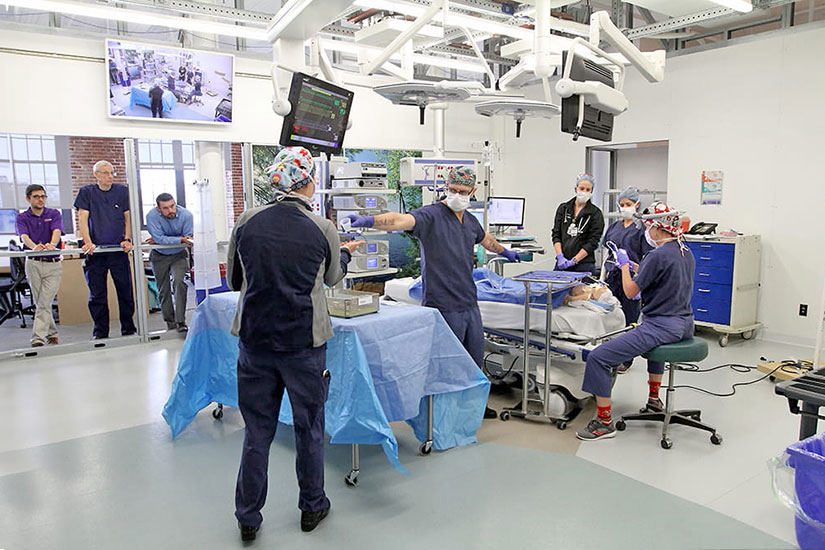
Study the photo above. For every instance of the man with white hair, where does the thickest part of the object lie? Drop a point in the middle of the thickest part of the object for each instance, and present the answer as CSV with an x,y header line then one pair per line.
x,y
103,220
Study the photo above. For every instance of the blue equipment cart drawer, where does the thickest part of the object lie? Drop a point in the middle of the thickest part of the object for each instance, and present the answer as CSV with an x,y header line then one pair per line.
x,y
711,311
712,254
718,275
712,291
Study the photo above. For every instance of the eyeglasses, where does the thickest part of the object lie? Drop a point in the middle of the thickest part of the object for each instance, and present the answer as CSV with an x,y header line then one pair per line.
x,y
39,196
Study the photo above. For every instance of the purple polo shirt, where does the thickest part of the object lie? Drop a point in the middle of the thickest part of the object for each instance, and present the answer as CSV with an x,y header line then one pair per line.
x,y
39,228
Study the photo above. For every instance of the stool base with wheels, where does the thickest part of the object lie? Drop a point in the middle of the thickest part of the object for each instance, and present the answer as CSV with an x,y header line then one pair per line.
x,y
686,351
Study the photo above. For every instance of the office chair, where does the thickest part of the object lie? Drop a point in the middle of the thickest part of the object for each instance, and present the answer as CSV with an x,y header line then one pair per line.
x,y
15,290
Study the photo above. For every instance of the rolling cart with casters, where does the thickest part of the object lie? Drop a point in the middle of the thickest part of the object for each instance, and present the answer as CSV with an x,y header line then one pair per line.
x,y
531,408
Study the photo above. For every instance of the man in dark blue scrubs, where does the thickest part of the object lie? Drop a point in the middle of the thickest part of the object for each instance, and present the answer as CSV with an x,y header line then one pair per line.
x,y
280,257
447,239
103,216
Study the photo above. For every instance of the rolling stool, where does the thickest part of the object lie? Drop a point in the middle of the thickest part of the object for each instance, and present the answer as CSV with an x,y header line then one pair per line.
x,y
686,351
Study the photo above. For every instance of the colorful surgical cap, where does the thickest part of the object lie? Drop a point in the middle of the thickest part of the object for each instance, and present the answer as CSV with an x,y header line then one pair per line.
x,y
630,193
292,169
465,177
663,216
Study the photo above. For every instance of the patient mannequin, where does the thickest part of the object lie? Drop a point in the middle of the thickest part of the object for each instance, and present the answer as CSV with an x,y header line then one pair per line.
x,y
586,292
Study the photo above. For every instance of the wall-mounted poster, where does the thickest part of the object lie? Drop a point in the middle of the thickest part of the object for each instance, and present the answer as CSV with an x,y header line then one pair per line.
x,y
712,186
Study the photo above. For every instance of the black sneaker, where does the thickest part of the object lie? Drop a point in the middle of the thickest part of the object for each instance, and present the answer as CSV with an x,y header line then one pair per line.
x,y
248,532
310,520
490,413
182,327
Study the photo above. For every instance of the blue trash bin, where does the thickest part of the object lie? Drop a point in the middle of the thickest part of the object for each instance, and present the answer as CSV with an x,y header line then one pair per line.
x,y
806,459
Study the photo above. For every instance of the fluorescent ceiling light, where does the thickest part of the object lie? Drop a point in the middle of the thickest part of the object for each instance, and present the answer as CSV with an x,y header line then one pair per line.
x,y
98,11
453,19
743,6
421,59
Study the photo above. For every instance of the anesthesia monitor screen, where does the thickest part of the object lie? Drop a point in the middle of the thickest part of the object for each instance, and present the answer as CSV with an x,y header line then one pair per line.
x,y
508,211
319,116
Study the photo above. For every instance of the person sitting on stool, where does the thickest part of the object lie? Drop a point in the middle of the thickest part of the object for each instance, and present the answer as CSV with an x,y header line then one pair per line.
x,y
665,281
170,224
40,228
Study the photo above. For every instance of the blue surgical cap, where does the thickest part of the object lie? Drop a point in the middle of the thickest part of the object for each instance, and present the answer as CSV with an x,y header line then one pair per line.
x,y
630,193
585,177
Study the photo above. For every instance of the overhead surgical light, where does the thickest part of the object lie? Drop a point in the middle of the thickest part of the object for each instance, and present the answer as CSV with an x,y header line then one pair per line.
x,y
420,94
111,13
519,109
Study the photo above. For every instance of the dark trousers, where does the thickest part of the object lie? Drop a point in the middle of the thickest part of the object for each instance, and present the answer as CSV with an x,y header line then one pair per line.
x,y
262,378
157,108
631,308
467,327
177,265
96,267
653,332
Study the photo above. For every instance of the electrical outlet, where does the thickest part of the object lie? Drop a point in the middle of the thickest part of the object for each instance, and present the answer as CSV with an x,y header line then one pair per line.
x,y
803,310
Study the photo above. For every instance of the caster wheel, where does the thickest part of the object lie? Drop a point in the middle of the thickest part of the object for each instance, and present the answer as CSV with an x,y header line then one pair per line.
x,y
561,425
716,439
620,425
351,479
505,415
748,334
723,340
425,448
217,414
667,444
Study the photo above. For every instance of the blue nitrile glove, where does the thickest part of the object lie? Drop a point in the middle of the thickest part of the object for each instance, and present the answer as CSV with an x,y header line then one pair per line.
x,y
511,255
622,258
637,297
361,221
563,263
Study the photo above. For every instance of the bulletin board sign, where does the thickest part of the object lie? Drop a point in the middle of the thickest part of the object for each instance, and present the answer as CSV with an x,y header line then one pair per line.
x,y
712,181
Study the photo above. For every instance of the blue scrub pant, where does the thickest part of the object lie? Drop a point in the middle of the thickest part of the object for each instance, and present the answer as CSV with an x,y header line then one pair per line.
x,y
631,308
96,266
262,378
654,331
467,327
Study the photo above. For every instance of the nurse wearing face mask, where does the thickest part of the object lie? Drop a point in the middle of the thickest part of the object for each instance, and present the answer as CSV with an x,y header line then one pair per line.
x,y
625,234
577,229
448,235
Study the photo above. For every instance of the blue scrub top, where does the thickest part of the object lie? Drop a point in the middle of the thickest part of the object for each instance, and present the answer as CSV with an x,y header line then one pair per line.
x,y
666,281
107,222
630,238
447,257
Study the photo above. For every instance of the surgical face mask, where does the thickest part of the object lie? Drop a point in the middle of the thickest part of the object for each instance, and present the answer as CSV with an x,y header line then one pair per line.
x,y
649,239
583,196
457,202
627,212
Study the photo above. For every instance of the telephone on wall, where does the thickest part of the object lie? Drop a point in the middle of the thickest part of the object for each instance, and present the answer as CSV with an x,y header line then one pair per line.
x,y
703,228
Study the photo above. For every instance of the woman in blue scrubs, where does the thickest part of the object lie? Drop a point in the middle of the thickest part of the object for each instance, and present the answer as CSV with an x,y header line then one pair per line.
x,y
665,281
625,234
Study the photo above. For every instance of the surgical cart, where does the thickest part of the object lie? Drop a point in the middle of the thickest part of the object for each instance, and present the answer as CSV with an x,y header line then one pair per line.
x,y
523,409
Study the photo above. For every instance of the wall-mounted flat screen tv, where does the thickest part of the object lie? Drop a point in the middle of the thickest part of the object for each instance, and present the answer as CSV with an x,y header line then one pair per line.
x,y
170,84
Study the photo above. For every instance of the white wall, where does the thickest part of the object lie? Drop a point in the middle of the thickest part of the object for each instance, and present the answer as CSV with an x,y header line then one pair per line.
x,y
643,167
43,95
753,110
